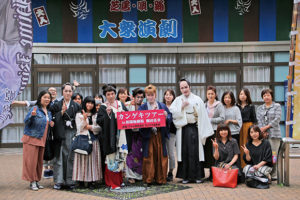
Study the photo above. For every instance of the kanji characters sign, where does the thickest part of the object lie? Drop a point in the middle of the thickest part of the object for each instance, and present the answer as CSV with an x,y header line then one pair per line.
x,y
140,5
168,28
41,16
195,8
141,119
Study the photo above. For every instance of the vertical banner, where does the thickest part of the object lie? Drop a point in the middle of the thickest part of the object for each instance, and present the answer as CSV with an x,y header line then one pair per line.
x,y
296,127
285,106
15,53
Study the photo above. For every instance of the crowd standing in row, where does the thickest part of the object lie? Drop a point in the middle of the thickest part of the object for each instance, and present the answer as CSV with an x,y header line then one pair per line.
x,y
215,133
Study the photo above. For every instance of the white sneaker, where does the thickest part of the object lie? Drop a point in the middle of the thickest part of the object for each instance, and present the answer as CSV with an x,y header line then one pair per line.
x,y
185,181
34,186
39,186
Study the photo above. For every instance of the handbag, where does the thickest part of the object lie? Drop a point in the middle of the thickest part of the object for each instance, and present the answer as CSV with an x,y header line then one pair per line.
x,y
224,177
82,144
49,146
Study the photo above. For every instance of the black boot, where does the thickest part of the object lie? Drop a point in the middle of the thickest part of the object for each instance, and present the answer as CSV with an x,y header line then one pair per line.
x,y
170,177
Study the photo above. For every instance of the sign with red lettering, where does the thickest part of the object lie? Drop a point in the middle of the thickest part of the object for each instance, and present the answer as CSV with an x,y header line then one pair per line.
x,y
41,16
195,8
141,119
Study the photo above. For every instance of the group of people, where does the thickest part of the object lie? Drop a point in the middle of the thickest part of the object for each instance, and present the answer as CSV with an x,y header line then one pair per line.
x,y
226,133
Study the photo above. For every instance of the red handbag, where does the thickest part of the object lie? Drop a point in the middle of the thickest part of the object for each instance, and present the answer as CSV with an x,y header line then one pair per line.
x,y
224,177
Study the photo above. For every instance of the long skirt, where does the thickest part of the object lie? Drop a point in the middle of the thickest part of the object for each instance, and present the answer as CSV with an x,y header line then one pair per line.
x,y
87,168
134,159
190,168
155,166
32,162
63,160
243,140
113,179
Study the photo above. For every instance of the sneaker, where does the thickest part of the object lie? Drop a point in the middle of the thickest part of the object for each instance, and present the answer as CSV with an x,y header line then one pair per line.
x,y
39,186
34,186
185,181
123,185
57,186
199,181
46,173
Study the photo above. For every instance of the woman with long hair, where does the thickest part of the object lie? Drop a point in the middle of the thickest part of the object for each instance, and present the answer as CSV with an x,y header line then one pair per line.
x,y
247,109
87,168
36,129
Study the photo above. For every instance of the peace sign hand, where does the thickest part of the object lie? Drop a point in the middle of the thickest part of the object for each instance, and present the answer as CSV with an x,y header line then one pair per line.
x,y
215,144
33,113
246,151
84,114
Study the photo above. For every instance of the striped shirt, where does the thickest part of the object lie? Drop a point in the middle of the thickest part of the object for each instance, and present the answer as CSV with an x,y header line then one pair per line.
x,y
270,116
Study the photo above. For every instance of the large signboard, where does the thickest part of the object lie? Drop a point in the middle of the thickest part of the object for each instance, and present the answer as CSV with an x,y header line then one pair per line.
x,y
15,53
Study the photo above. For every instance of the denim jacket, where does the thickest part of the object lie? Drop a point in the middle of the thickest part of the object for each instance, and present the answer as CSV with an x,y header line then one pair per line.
x,y
35,125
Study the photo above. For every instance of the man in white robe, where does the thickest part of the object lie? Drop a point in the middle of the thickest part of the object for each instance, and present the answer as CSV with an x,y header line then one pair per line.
x,y
193,127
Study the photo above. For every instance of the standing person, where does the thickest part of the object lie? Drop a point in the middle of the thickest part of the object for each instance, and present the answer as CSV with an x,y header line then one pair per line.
x,y
64,112
35,133
268,116
216,115
233,117
226,149
258,157
76,97
155,159
244,103
193,128
113,140
123,97
169,97
87,168
134,159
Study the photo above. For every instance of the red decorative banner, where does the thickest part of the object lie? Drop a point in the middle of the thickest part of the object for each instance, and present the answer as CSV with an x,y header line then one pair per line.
x,y
195,8
41,16
141,119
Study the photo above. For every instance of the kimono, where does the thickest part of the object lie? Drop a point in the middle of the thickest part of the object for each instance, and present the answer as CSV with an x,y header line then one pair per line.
x,y
63,131
134,158
193,127
114,145
155,157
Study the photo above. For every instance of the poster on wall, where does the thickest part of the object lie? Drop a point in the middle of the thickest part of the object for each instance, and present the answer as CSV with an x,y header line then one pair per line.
x,y
296,97
15,53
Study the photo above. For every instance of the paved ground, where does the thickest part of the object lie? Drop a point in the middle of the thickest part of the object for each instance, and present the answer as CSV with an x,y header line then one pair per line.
x,y
12,187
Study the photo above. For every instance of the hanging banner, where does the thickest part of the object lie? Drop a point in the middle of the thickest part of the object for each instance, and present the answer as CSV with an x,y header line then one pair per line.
x,y
15,53
296,97
285,106
141,119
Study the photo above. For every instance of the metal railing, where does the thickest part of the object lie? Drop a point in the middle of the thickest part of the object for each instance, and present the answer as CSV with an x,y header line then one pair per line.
x,y
283,160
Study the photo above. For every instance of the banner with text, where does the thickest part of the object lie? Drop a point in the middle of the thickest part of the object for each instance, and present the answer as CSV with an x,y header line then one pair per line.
x,y
296,98
141,119
15,53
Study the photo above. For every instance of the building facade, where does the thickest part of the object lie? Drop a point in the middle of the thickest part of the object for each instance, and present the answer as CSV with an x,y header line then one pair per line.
x,y
225,43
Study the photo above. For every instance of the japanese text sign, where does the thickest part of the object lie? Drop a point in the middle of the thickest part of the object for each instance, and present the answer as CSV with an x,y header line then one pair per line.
x,y
141,119
41,16
195,8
